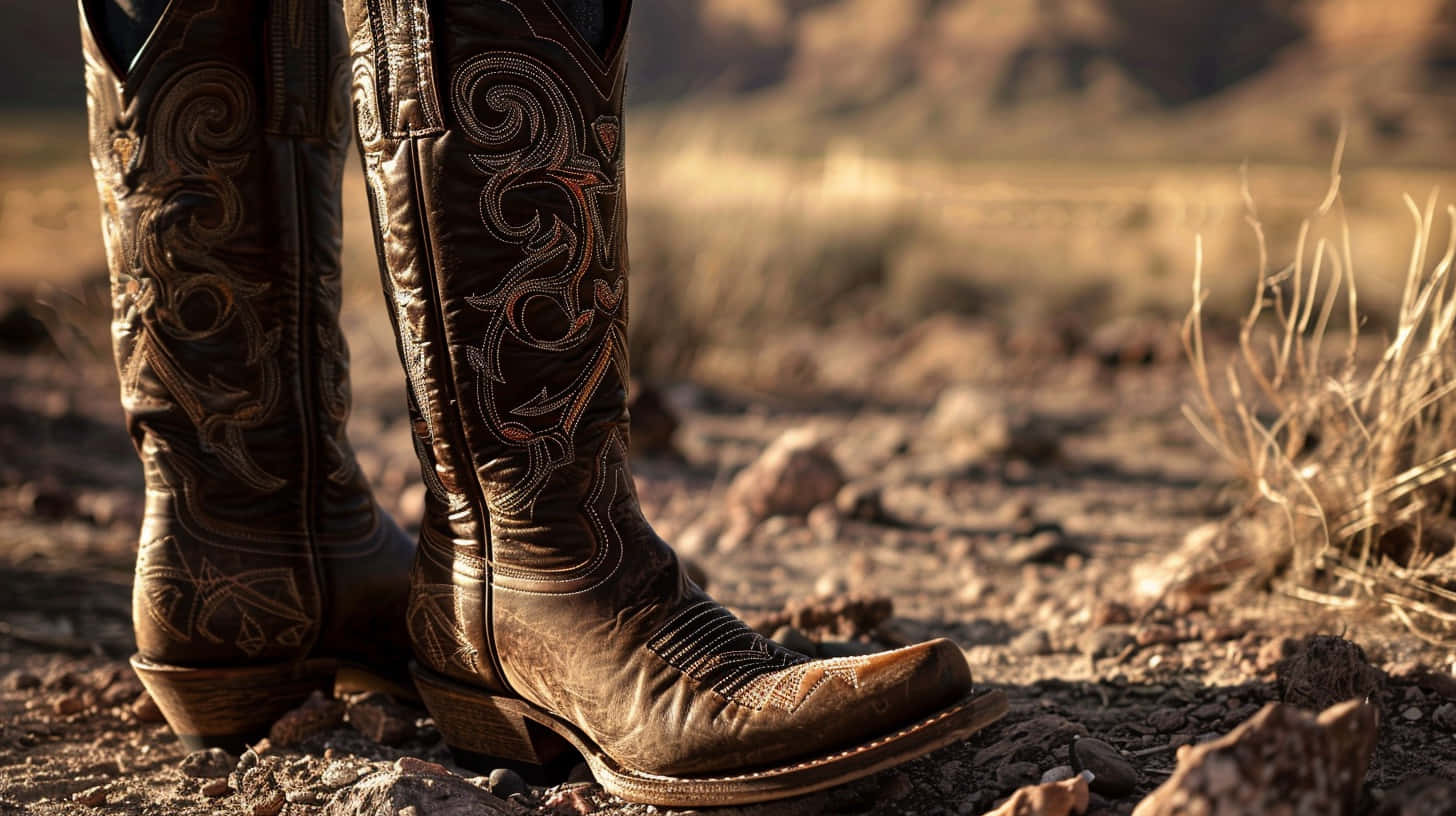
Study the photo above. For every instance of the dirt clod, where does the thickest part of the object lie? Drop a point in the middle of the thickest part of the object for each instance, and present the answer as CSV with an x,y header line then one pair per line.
x,y
379,718
1324,670
317,714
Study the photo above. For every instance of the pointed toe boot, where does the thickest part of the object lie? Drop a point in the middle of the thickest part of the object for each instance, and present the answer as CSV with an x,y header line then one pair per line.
x,y
265,568
545,612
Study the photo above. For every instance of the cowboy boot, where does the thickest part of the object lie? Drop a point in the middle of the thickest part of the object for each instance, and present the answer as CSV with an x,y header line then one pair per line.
x,y
265,568
544,610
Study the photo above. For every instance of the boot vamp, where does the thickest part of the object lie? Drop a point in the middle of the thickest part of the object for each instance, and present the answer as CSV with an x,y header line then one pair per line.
x,y
666,681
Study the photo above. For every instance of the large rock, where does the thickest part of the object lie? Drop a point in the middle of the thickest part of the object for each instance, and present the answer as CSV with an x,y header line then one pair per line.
x,y
1283,760
390,792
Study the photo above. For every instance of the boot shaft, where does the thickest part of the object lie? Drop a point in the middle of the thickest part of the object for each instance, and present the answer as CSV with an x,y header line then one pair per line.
x,y
218,154
492,142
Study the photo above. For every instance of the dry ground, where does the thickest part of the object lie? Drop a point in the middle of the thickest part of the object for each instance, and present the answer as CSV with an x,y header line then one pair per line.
x,y
1035,519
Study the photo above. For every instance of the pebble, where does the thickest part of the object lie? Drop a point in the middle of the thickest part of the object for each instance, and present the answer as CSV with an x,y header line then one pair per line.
x,y
1445,716
1032,643
1110,613
792,639
338,774
1113,775
409,764
303,796
1057,774
1156,633
68,704
214,788
92,796
1411,714
209,763
504,782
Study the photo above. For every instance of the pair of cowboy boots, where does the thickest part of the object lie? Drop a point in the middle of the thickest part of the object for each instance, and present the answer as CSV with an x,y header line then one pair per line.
x,y
542,612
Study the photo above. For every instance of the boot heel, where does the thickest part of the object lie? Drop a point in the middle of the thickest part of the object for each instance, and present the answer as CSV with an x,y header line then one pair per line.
x,y
485,731
230,707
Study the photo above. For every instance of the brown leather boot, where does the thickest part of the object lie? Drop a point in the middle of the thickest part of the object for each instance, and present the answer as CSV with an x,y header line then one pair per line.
x,y
265,567
544,608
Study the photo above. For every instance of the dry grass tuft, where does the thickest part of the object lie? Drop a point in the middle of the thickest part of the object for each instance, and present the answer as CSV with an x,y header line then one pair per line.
x,y
1348,451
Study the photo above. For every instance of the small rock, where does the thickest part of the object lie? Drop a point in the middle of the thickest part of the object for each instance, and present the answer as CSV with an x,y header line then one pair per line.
x,y
571,801
209,763
1047,544
1059,773
338,774
69,704
1419,796
795,641
145,709
1113,775
1013,775
415,765
1109,641
214,788
1445,716
1167,720
504,782
1032,643
1060,798
270,804
794,474
303,796
1411,714
317,715
20,680
379,718
92,797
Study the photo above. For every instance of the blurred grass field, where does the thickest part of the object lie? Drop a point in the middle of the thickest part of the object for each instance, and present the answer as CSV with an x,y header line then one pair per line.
x,y
731,245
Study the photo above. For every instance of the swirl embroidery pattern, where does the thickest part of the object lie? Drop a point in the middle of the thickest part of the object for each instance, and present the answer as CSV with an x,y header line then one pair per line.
x,y
566,296
175,290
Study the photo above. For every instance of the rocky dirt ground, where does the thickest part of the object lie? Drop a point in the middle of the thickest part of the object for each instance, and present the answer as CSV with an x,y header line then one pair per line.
x,y
1043,503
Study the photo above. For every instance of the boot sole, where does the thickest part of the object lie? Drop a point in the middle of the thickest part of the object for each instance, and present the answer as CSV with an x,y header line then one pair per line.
x,y
482,728
236,706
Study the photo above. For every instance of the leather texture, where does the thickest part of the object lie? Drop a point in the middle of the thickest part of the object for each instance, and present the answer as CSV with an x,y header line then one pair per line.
x,y
218,160
492,140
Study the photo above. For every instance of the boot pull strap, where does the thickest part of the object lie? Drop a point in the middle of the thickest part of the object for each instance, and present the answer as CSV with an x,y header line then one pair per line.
x,y
404,58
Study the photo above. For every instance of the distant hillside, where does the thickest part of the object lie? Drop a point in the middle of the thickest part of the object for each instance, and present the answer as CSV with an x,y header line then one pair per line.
x,y
1096,77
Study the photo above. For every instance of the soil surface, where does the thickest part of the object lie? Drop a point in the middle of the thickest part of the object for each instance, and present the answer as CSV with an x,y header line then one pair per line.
x,y
1035,502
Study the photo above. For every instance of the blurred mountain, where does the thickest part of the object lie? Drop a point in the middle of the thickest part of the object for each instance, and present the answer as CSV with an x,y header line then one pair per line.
x,y
1125,78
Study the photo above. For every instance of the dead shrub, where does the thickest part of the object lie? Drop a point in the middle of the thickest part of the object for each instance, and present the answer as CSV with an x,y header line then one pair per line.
x,y
1348,451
